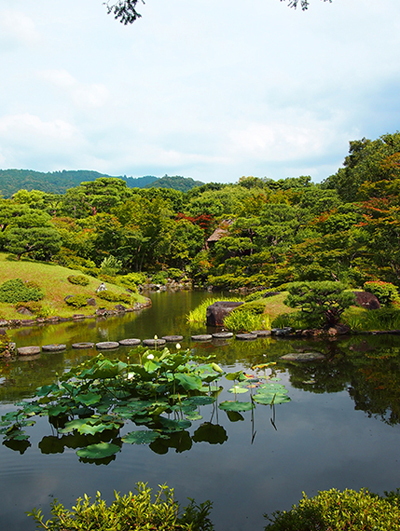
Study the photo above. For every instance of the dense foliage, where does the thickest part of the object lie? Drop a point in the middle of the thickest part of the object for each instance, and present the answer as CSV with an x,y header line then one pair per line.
x,y
16,290
334,511
257,232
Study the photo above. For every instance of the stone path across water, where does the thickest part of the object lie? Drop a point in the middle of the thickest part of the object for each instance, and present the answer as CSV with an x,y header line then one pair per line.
x,y
131,342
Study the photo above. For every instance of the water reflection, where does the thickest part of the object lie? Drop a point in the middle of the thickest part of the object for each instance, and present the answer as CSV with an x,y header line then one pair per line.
x,y
340,430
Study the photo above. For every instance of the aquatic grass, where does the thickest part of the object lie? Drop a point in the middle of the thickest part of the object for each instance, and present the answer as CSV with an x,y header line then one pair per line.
x,y
369,320
199,314
246,321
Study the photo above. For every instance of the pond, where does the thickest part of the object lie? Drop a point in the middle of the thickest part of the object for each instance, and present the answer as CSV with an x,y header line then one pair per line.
x,y
340,429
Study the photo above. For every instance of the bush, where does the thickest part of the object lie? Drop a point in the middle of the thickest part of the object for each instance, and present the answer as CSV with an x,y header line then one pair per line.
x,y
33,306
160,278
77,301
110,296
256,307
15,290
132,280
385,292
129,512
335,511
175,274
256,295
68,258
110,266
79,280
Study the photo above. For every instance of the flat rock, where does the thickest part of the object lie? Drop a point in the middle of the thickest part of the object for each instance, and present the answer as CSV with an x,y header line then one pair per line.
x,y
246,337
28,351
154,342
107,345
83,344
202,337
130,342
54,348
303,356
261,333
223,335
172,339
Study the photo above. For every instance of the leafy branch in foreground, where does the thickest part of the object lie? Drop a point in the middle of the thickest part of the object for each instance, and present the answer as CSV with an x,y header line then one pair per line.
x,y
132,511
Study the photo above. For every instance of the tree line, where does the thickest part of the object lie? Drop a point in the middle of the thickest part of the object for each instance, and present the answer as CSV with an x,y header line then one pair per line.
x,y
255,232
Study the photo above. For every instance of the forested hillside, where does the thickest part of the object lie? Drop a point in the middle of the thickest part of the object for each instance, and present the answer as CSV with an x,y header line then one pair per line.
x,y
59,182
267,232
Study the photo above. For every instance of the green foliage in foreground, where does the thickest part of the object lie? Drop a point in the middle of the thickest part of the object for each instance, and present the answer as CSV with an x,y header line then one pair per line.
x,y
16,290
132,511
336,511
246,321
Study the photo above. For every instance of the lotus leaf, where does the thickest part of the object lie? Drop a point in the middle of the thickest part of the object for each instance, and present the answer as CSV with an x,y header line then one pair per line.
x,y
98,451
141,437
88,399
193,415
237,390
171,425
236,406
270,399
200,400
189,382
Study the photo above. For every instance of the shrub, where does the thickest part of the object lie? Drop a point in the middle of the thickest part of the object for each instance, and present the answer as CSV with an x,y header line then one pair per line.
x,y
110,296
385,292
175,274
68,258
335,511
15,290
132,280
254,307
110,265
78,279
255,296
77,301
160,278
32,306
129,512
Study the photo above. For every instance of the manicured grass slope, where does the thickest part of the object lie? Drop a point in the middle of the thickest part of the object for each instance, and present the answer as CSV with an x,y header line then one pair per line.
x,y
53,279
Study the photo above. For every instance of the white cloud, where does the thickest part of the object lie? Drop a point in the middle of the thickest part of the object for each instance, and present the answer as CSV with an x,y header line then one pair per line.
x,y
82,95
17,28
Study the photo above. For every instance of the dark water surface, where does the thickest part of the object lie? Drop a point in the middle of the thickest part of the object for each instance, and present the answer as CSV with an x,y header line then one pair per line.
x,y
341,428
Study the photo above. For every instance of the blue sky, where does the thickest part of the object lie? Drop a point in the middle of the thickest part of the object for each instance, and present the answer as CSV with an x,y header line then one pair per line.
x,y
208,89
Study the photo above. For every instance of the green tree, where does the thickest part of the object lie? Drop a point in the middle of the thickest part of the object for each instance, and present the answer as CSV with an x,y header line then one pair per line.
x,y
325,301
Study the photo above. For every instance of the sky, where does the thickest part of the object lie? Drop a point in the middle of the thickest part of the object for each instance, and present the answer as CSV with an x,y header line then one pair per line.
x,y
209,89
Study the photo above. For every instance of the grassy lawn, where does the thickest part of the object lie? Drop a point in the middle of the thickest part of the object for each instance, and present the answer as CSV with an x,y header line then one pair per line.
x,y
275,306
53,279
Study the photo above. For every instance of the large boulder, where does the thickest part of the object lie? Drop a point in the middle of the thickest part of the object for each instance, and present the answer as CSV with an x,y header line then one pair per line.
x,y
217,312
367,300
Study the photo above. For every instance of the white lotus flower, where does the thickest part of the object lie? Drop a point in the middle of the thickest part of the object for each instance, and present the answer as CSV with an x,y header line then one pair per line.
x,y
150,357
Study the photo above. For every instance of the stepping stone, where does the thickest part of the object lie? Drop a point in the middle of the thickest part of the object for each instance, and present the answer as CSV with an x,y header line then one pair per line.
x,y
107,345
262,333
303,356
129,342
202,337
154,342
53,348
28,351
82,345
246,337
172,339
223,335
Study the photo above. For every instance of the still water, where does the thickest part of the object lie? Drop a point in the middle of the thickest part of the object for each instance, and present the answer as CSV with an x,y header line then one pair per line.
x,y
341,428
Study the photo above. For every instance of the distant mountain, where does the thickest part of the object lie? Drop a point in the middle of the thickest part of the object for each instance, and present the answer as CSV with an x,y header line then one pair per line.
x,y
58,182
